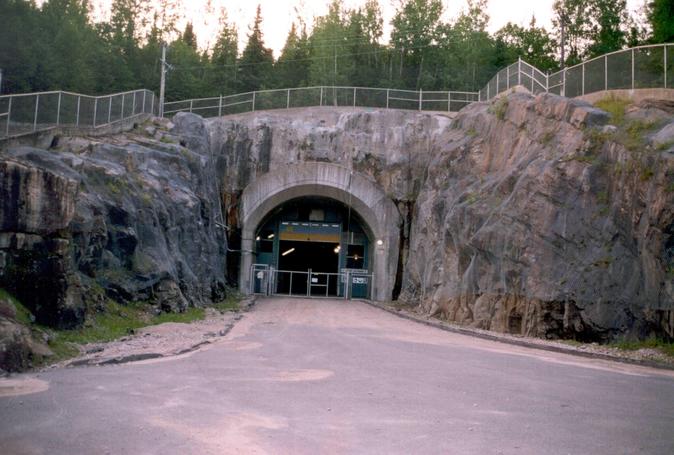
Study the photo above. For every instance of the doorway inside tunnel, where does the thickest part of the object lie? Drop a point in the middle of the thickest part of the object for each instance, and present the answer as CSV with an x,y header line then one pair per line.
x,y
309,245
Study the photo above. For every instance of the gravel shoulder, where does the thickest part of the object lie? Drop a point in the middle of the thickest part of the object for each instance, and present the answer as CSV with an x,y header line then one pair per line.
x,y
646,357
163,340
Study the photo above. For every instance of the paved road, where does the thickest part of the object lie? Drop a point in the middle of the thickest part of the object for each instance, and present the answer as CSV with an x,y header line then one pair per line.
x,y
310,377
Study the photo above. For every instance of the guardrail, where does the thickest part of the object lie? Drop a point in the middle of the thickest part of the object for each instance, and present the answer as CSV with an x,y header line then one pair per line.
x,y
384,98
32,112
643,67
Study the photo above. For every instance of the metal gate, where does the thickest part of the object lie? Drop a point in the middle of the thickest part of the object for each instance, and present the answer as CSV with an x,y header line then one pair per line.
x,y
347,284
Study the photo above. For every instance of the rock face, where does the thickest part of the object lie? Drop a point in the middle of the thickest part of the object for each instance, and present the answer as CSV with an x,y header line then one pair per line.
x,y
524,215
132,219
527,215
534,219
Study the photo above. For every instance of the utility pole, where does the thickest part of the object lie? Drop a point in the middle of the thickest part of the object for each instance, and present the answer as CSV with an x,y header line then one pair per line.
x,y
163,80
562,17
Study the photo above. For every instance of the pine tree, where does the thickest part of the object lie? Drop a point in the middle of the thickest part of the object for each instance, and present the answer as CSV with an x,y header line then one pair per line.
x,y
222,77
257,61
189,37
292,67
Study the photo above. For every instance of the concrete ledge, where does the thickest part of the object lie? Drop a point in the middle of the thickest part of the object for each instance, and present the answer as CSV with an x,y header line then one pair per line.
x,y
43,138
636,95
542,345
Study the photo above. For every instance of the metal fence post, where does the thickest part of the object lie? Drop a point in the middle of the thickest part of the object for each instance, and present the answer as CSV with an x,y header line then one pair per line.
x,y
220,107
665,79
605,72
563,91
133,106
58,110
508,76
519,71
144,93
37,104
191,104
95,110
9,115
498,82
110,110
449,101
77,119
288,99
421,94
320,103
632,69
254,101
354,97
388,92
121,115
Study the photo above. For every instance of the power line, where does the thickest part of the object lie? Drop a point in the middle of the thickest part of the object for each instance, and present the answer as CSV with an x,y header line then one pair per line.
x,y
309,59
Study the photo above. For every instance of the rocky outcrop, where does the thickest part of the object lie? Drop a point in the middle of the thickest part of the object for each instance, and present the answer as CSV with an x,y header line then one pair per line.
x,y
131,219
536,219
525,215
529,215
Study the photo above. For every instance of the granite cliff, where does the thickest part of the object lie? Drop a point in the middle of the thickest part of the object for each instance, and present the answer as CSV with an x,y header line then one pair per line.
x,y
530,215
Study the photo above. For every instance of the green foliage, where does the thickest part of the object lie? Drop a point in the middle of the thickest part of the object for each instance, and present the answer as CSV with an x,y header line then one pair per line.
x,y
663,346
500,108
58,46
23,315
660,15
592,27
532,44
615,107
257,61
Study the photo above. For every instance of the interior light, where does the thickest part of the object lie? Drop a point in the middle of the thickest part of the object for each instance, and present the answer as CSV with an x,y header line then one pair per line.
x,y
257,238
286,253
380,242
355,258
270,236
338,249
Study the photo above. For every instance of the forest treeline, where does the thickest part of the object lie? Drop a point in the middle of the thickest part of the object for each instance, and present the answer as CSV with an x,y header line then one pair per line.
x,y
59,46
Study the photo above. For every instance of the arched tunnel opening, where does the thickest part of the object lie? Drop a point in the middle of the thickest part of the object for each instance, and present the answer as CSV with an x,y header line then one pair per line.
x,y
309,244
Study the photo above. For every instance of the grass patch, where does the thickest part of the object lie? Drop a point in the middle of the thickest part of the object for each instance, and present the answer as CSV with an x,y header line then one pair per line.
x,y
23,315
189,315
665,347
231,303
615,107
500,107
113,322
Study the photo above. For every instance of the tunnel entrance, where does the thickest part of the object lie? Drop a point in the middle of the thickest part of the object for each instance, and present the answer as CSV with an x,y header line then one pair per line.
x,y
314,247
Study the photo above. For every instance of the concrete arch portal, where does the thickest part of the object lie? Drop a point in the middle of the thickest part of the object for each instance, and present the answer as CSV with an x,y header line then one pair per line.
x,y
378,214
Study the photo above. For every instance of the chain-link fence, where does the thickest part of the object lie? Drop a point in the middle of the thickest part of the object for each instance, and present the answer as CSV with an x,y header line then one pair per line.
x,y
382,98
32,112
644,67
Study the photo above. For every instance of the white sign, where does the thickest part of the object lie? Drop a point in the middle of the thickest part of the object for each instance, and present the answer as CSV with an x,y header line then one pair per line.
x,y
359,280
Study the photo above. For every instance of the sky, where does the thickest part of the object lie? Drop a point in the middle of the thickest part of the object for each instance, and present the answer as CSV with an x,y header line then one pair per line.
x,y
278,15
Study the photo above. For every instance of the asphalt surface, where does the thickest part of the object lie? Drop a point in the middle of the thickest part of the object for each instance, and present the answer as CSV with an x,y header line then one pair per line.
x,y
309,377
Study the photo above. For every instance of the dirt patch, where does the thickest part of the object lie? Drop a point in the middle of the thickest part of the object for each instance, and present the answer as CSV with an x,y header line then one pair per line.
x,y
25,385
163,340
